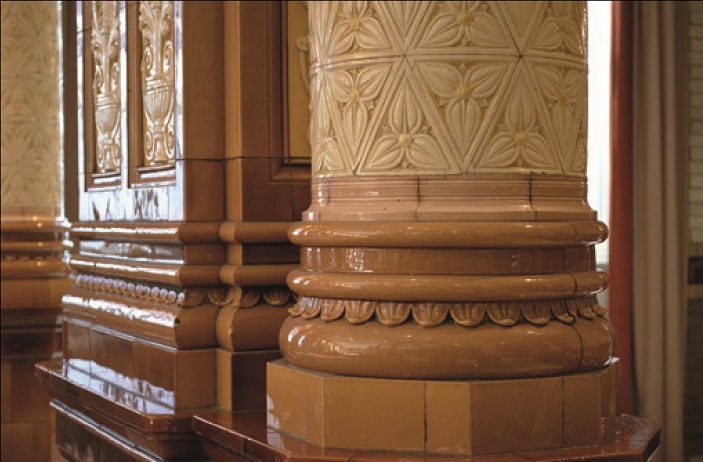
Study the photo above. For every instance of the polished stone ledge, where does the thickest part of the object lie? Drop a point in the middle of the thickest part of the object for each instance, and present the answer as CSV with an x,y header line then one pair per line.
x,y
238,437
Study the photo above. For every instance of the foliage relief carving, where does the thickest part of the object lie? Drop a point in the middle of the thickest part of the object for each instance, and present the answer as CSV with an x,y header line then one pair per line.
x,y
158,84
31,138
464,24
481,85
467,314
106,83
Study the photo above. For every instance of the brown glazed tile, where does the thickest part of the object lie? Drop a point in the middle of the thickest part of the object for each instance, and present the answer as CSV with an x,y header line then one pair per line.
x,y
609,380
218,453
241,379
582,423
154,366
111,355
195,378
43,438
597,340
258,188
223,366
17,294
31,342
448,417
526,415
6,391
204,190
301,199
249,185
234,205
203,96
35,317
315,418
579,259
76,340
30,400
285,396
17,439
637,440
369,456
373,413
300,451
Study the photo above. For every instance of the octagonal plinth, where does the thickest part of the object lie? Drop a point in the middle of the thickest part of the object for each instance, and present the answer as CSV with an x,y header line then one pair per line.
x,y
445,417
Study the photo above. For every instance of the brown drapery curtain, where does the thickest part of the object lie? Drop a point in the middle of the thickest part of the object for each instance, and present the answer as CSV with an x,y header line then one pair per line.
x,y
647,261
620,258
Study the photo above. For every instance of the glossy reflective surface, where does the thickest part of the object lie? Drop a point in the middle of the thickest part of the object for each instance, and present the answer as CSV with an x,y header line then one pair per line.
x,y
448,351
230,438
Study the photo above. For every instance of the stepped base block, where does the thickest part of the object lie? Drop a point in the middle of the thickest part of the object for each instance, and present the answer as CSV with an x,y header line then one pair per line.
x,y
238,437
102,409
442,417
172,377
80,438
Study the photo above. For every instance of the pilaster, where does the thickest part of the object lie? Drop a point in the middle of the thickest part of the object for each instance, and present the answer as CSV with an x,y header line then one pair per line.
x,y
34,230
139,318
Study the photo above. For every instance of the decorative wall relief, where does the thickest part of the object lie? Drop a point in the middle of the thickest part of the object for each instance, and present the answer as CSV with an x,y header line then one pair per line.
x,y
448,87
106,84
158,84
31,138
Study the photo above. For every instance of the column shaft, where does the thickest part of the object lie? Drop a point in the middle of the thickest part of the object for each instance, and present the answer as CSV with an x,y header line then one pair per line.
x,y
449,234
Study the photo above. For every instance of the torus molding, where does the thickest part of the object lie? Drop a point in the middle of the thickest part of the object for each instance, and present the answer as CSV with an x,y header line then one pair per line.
x,y
448,88
485,234
433,314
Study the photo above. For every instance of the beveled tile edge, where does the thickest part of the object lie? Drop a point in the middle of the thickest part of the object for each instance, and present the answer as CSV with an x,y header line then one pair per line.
x,y
279,370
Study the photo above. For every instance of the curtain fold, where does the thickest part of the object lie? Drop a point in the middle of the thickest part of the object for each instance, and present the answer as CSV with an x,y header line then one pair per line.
x,y
620,247
659,156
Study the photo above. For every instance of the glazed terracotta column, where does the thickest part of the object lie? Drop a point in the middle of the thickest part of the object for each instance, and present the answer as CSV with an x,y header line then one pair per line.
x,y
34,274
449,237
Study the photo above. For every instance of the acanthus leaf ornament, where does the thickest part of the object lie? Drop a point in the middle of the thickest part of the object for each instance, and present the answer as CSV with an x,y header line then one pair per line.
x,y
466,314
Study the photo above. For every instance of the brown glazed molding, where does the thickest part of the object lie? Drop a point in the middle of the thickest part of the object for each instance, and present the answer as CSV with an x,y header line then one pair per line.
x,y
485,197
446,288
467,314
481,234
448,351
447,299
230,437
154,232
34,249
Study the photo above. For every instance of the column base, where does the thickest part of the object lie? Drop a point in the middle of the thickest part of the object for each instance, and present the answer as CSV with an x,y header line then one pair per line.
x,y
227,437
443,417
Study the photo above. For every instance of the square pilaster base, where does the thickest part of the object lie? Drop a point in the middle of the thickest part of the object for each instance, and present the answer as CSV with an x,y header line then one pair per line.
x,y
445,417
